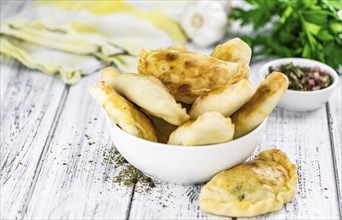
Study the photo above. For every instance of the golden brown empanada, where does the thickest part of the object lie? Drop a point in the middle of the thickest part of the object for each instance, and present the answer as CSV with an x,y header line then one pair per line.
x,y
187,75
209,128
267,96
253,188
234,50
151,95
225,100
123,112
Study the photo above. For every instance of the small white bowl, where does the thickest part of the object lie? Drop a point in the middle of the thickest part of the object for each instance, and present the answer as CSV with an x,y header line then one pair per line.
x,y
183,164
303,100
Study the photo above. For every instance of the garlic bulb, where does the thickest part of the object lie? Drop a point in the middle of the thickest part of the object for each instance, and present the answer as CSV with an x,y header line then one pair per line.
x,y
204,22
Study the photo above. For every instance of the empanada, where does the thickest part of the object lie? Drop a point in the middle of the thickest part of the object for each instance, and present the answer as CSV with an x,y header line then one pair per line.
x,y
187,75
123,112
234,50
209,128
151,95
253,188
267,96
108,75
225,100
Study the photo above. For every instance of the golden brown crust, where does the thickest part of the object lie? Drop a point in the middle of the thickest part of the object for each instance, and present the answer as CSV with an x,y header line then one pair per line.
x,y
253,188
225,100
123,112
234,50
267,96
109,74
150,94
188,75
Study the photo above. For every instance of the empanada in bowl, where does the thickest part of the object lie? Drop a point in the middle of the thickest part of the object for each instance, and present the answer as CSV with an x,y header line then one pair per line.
x,y
151,95
225,100
123,112
252,188
188,75
265,99
209,128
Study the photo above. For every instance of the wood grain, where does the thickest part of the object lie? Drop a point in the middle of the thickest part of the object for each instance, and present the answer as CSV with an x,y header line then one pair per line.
x,y
169,201
76,181
70,186
334,114
52,163
28,106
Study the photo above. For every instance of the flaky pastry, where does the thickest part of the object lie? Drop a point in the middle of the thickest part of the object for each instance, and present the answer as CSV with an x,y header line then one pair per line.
x,y
209,128
234,50
265,99
186,74
225,100
123,112
252,188
151,95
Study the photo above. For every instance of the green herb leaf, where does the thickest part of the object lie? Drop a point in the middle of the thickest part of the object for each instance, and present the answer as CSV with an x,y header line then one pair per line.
x,y
308,28
312,28
324,35
241,197
333,3
316,16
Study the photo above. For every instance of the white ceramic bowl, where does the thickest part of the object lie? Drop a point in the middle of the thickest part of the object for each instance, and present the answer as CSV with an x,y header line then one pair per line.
x,y
180,164
303,100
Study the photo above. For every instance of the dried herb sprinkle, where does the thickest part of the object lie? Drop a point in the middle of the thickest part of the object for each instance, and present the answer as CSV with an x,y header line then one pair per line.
x,y
128,175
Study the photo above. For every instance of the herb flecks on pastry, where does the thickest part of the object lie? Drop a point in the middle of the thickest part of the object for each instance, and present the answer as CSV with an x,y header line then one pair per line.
x,y
256,187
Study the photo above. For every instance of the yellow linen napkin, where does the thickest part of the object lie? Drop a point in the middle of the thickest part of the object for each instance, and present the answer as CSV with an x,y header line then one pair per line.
x,y
74,38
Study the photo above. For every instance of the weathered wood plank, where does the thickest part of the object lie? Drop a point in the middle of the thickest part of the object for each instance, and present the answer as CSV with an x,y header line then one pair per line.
x,y
305,139
73,181
334,113
66,178
29,101
169,201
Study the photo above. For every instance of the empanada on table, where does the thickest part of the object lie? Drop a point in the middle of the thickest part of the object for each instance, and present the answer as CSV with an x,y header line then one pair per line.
x,y
265,99
151,95
234,50
253,188
188,75
225,100
209,128
123,112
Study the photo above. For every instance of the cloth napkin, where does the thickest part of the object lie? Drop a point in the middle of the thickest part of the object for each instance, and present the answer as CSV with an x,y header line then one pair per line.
x,y
75,38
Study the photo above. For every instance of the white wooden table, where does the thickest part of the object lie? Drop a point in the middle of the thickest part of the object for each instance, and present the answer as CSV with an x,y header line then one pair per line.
x,y
45,154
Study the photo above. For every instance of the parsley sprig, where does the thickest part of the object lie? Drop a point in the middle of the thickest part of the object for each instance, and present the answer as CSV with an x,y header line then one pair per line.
x,y
301,28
